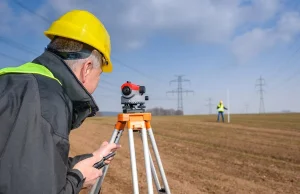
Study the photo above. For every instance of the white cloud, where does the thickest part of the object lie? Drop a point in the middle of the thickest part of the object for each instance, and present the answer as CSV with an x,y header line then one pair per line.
x,y
132,22
260,11
257,40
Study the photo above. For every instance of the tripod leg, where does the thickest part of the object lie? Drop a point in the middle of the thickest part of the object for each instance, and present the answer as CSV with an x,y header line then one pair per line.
x,y
154,174
147,161
158,159
158,187
133,162
115,138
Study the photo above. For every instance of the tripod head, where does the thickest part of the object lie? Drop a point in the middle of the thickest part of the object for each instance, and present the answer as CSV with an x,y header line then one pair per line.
x,y
133,98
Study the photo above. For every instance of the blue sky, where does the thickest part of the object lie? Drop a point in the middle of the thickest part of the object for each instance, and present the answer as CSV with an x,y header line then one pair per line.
x,y
216,45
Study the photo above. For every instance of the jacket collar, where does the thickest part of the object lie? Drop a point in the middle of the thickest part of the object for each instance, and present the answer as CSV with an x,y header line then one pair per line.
x,y
83,103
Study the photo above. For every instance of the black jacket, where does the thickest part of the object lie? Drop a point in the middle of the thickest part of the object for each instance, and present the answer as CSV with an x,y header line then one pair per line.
x,y
36,117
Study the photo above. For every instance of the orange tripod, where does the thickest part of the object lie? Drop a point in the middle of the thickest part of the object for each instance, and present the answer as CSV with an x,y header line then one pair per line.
x,y
138,122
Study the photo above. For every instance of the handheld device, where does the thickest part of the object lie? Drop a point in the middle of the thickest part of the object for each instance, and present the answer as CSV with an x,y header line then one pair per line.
x,y
101,163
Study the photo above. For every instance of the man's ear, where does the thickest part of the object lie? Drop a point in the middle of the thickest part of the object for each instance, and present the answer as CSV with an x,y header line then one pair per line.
x,y
86,70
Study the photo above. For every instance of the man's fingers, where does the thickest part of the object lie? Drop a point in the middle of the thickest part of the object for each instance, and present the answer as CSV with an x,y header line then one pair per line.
x,y
114,149
104,143
110,147
114,146
109,160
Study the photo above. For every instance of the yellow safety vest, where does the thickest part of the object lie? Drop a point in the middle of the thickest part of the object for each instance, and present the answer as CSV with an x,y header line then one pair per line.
x,y
221,108
30,68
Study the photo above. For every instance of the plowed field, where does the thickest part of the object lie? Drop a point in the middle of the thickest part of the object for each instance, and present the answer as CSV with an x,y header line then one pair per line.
x,y
252,154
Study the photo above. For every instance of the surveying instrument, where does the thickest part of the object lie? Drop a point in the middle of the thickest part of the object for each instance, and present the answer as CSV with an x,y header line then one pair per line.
x,y
136,120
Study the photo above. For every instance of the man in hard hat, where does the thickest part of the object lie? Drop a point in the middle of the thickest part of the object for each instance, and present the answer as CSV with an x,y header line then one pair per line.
x,y
221,109
43,100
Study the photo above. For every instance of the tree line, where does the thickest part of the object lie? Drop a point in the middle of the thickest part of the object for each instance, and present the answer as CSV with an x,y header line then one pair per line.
x,y
158,111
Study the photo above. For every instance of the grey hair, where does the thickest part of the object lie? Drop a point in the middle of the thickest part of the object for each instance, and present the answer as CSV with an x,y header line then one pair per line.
x,y
68,45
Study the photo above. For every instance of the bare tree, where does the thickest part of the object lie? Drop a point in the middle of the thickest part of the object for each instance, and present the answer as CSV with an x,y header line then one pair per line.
x,y
99,114
159,111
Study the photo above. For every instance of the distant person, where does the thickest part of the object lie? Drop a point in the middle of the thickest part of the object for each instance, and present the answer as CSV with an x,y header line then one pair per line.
x,y
42,101
220,109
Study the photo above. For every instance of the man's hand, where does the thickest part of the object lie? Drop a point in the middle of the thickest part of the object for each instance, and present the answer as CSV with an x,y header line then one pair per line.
x,y
105,149
86,166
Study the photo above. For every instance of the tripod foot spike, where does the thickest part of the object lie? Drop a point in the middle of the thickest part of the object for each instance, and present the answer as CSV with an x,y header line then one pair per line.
x,y
154,174
158,159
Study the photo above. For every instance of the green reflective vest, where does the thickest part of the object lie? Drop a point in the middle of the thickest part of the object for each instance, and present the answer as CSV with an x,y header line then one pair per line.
x,y
30,68
220,107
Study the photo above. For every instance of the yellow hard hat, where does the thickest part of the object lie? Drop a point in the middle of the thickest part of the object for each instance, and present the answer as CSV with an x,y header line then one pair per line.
x,y
83,26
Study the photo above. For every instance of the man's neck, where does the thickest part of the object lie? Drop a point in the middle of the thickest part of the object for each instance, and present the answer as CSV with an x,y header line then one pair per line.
x,y
83,102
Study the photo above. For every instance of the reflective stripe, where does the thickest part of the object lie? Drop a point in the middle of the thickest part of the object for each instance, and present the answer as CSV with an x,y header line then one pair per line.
x,y
30,68
220,107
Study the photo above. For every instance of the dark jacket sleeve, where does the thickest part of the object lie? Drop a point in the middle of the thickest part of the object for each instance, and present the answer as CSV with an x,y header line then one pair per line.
x,y
31,153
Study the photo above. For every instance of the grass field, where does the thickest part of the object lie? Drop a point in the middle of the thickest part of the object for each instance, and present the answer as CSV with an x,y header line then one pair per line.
x,y
252,154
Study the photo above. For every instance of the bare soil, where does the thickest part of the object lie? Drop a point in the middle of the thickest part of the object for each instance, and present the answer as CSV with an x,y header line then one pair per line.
x,y
252,154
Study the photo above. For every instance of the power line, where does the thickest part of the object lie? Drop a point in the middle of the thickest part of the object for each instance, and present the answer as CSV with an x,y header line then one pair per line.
x,y
47,20
12,58
27,49
30,50
17,45
143,73
261,92
291,77
31,11
210,104
180,91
